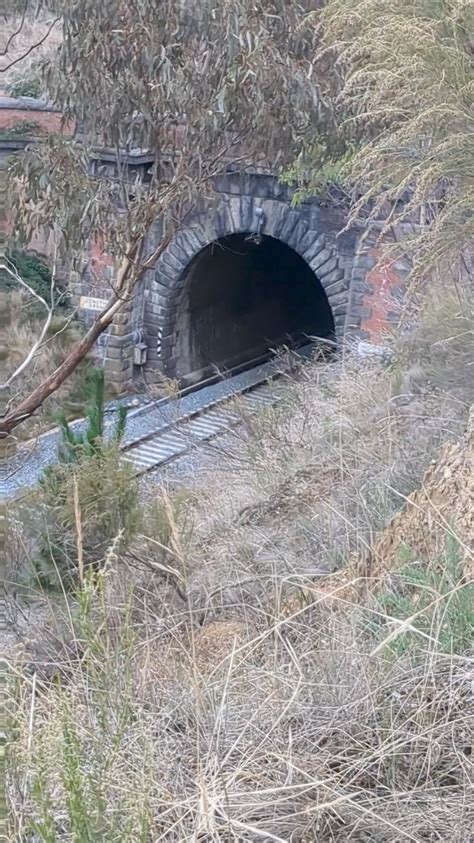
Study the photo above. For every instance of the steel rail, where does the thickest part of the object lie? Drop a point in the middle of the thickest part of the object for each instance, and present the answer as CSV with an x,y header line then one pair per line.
x,y
187,432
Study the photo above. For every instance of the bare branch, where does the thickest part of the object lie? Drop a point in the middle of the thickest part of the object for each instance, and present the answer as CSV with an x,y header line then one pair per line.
x,y
127,278
31,48
17,32
12,271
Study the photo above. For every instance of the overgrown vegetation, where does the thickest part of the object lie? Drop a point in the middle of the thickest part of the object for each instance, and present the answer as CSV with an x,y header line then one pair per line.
x,y
89,443
276,642
434,600
89,497
21,129
22,323
24,318
238,668
35,272
402,94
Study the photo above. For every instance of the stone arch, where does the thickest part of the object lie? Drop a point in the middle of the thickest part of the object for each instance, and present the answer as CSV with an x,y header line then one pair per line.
x,y
238,215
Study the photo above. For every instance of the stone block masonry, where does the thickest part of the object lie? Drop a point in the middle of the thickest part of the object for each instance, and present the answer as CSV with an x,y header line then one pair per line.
x,y
177,304
363,293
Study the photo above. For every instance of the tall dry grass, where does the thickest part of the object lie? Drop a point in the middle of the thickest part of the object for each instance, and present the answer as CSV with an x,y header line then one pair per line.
x,y
231,675
289,725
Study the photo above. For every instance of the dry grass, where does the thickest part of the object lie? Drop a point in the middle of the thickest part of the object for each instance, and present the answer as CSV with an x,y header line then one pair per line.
x,y
30,33
225,680
19,335
289,729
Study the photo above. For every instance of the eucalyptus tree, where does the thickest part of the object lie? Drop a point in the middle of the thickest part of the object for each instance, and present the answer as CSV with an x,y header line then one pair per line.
x,y
196,83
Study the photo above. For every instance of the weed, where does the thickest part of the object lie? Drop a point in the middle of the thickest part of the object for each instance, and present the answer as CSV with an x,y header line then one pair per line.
x,y
436,600
22,324
89,498
85,777
34,272
91,441
28,85
261,704
21,129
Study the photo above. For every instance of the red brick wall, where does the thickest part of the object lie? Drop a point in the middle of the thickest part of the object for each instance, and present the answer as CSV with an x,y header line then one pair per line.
x,y
381,300
101,270
49,121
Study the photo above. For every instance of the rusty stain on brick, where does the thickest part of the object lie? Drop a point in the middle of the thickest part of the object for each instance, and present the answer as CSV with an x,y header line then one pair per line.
x,y
385,283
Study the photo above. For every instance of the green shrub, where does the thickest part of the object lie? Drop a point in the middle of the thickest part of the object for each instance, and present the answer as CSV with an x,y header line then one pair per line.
x,y
34,272
21,129
84,770
89,499
90,443
26,86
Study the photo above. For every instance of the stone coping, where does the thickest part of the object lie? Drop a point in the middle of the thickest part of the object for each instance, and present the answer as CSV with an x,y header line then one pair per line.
x,y
27,104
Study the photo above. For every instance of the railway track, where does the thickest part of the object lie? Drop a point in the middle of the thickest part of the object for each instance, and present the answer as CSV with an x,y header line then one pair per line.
x,y
164,430
188,432
216,417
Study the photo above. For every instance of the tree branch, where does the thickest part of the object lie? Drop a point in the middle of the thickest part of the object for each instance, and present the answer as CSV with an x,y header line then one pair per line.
x,y
14,34
31,48
13,272
127,280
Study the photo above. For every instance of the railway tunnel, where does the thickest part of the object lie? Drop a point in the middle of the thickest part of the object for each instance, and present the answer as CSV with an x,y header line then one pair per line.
x,y
240,297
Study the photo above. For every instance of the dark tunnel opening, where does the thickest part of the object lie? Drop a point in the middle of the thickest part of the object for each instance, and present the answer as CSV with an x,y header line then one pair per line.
x,y
242,297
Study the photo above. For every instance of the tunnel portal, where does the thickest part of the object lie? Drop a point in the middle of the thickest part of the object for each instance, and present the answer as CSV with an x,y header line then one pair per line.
x,y
241,296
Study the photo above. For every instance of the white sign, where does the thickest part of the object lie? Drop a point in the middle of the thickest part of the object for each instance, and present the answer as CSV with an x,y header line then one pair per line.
x,y
88,303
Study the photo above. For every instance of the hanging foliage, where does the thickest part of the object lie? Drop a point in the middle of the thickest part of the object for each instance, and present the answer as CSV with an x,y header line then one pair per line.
x,y
402,90
198,85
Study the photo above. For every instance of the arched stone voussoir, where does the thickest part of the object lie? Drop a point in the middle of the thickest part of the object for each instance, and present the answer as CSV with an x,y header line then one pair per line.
x,y
275,216
311,245
246,214
336,299
194,239
183,246
207,231
293,218
235,213
328,266
173,263
164,276
331,277
297,236
320,259
335,288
